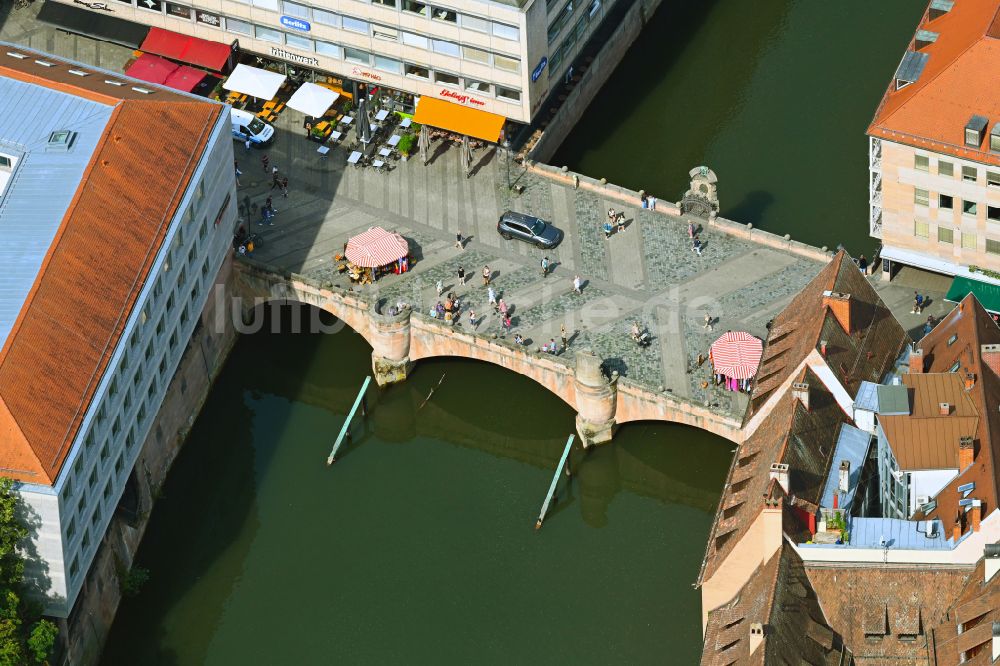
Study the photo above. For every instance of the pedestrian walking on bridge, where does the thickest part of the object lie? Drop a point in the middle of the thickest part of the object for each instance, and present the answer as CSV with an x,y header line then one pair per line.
x,y
545,266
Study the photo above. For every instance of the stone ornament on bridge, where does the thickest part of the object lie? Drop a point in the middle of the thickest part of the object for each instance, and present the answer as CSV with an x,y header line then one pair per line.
x,y
702,198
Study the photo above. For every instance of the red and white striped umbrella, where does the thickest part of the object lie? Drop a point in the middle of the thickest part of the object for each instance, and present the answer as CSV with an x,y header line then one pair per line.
x,y
736,354
376,247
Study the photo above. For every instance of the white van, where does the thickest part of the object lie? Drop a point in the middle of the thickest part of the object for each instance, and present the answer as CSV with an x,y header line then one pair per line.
x,y
248,126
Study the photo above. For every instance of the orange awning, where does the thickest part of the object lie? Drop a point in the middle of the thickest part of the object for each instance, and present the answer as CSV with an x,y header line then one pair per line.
x,y
459,119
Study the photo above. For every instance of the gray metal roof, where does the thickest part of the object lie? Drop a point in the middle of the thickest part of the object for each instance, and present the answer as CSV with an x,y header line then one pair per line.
x,y
926,36
977,123
911,66
893,400
942,5
42,183
867,397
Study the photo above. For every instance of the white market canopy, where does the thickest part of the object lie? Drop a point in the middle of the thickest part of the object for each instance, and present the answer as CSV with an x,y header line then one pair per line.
x,y
255,82
312,99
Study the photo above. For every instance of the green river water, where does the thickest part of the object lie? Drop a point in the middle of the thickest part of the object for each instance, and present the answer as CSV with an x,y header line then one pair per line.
x,y
418,546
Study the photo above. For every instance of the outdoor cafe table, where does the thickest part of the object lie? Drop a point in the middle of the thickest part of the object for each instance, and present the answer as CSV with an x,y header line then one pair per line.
x,y
336,136
406,123
381,115
323,150
394,140
355,156
347,120
385,152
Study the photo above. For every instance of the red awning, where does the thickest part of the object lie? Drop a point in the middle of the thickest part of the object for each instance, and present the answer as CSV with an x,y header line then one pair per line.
x,y
193,50
151,68
185,78
736,354
376,247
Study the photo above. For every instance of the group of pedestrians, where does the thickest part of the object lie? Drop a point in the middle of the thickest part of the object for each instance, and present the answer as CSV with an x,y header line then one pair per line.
x,y
278,181
615,218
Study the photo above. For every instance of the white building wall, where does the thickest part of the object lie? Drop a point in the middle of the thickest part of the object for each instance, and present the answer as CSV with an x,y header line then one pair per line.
x,y
93,476
928,483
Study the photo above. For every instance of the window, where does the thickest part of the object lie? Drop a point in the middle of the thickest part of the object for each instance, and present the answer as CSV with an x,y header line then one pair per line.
x,y
95,519
415,71
946,201
107,491
969,207
173,340
85,542
104,453
127,400
560,20
116,426
504,31
475,55
993,213
266,4
71,528
163,365
238,26
148,354
946,235
326,18
441,14
445,78
355,25
92,479
388,64
138,378
920,197
447,48
595,5
507,64
992,246
358,56
508,94
411,39
81,504
387,34
295,9
299,43
968,241
993,179
921,163
957,365
921,228
477,86
475,23
946,168
387,3
415,7
267,34
332,50
119,464
74,568
160,326
970,174
130,440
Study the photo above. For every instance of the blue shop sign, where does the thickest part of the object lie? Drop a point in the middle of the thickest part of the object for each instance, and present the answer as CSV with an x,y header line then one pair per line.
x,y
295,23
538,70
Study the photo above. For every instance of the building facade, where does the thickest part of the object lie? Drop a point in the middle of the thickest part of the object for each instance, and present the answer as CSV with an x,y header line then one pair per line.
x,y
499,57
934,147
136,236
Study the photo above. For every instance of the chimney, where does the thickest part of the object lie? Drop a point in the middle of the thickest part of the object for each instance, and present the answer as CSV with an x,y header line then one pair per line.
x,y
966,452
845,474
956,531
944,408
916,361
970,381
822,348
840,306
991,560
800,391
779,471
756,636
975,514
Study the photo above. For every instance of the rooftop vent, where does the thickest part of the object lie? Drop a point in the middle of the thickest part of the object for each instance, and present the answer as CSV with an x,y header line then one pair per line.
x,y
975,130
60,141
45,63
924,38
114,83
19,56
995,139
910,68
144,91
939,8
78,72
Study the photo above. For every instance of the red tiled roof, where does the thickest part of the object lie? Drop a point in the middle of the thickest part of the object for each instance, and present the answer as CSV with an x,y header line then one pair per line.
x,y
959,80
55,355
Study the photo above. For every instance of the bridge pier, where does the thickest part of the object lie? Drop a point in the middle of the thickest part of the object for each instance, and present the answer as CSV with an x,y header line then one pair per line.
x,y
390,341
596,401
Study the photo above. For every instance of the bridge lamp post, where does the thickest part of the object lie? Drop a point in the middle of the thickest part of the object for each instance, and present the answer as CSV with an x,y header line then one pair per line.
x,y
506,148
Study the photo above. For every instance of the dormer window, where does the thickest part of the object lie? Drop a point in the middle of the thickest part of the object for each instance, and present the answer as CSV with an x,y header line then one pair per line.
x,y
924,38
995,139
910,68
60,141
975,129
939,8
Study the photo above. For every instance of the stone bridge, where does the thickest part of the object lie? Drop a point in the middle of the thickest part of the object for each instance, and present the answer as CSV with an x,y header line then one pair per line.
x,y
398,341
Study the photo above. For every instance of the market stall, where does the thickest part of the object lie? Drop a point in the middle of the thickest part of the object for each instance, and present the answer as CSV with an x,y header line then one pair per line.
x,y
376,252
735,359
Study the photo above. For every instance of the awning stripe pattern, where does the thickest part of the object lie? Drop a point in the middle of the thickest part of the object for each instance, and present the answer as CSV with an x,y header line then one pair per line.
x,y
459,119
376,247
736,354
193,50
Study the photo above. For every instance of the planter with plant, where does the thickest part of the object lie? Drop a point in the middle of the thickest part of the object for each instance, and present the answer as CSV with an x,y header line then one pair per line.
x,y
405,145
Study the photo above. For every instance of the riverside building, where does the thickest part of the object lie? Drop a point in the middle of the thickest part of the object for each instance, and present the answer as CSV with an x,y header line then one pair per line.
x,y
116,212
934,151
500,57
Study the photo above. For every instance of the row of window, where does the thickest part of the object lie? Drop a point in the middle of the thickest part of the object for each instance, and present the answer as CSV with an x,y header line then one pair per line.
x,y
467,21
444,47
575,35
921,229
947,202
566,13
969,173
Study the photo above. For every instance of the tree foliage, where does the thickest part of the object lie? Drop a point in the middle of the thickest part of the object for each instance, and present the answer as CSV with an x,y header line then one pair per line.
x,y
25,638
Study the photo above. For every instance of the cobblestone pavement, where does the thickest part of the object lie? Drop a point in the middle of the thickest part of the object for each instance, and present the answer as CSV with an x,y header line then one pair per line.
x,y
648,273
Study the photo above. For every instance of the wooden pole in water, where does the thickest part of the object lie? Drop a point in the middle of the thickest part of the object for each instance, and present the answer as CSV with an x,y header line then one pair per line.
x,y
347,424
555,481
